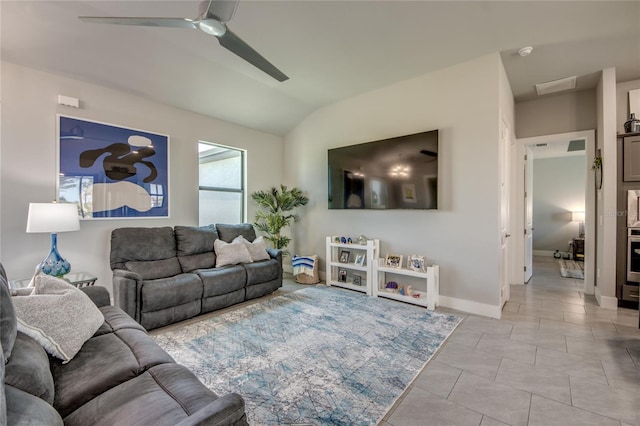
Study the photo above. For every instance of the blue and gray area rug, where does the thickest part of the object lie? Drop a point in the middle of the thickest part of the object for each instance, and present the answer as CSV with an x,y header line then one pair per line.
x,y
320,356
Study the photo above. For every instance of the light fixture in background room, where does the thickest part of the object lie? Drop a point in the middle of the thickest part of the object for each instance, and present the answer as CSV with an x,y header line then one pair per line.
x,y
53,218
578,216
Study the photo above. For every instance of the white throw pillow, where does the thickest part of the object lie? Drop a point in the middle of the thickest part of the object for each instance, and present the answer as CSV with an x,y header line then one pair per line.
x,y
58,315
230,253
257,249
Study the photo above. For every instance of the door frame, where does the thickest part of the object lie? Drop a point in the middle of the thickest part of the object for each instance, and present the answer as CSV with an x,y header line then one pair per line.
x,y
517,205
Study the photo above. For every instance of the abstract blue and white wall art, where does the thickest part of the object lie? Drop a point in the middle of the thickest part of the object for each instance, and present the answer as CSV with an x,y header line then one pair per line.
x,y
111,171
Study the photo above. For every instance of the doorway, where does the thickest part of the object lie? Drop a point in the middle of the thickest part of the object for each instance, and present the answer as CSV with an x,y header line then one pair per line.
x,y
562,216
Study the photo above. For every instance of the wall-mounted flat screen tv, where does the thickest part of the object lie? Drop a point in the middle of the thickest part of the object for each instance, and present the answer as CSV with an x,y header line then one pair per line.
x,y
396,173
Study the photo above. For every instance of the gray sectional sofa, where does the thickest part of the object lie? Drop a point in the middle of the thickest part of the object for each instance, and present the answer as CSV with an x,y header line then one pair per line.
x,y
120,376
164,275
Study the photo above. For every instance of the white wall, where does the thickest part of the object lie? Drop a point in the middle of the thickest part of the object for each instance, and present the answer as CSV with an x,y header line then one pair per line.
x,y
622,102
28,163
463,235
606,203
558,190
562,113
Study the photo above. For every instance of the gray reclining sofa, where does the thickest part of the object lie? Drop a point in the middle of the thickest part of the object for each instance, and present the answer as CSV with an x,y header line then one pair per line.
x,y
120,376
165,275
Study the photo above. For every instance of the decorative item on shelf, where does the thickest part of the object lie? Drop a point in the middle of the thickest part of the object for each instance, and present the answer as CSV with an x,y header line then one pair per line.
x,y
360,259
416,263
336,240
274,216
349,240
393,261
357,280
343,240
392,287
53,218
362,240
597,168
632,125
344,256
342,275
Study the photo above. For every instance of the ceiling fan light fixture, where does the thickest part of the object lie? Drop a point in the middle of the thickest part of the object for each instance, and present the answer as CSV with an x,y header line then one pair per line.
x,y
213,27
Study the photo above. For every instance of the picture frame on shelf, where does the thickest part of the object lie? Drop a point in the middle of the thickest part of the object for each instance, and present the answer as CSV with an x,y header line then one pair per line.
x,y
393,261
344,256
360,259
416,263
342,275
357,280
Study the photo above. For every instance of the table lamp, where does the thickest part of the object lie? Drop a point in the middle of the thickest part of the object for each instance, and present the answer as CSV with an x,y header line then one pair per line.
x,y
578,217
53,218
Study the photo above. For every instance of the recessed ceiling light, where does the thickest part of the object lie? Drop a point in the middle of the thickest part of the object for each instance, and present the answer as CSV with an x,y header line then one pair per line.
x,y
525,51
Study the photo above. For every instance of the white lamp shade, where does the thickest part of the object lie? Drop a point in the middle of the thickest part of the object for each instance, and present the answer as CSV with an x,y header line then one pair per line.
x,y
52,217
577,216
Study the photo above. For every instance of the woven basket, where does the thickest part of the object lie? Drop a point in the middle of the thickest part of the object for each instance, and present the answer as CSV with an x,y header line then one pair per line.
x,y
309,279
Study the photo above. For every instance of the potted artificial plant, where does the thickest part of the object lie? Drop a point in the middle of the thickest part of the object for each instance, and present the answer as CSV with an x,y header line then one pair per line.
x,y
276,205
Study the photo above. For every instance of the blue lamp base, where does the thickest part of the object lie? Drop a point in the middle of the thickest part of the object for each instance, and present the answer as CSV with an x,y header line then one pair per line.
x,y
54,264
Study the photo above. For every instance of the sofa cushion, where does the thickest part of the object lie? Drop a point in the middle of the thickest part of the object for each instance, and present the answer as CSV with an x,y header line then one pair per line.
x,y
261,272
58,315
141,244
257,248
228,232
231,253
28,368
104,362
222,280
8,323
172,291
153,269
163,395
195,246
27,410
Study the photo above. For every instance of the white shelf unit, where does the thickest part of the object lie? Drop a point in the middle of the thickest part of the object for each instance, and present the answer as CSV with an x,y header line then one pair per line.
x,y
429,298
333,264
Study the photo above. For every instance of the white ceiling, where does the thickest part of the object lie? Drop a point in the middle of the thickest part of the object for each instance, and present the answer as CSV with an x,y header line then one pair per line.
x,y
331,50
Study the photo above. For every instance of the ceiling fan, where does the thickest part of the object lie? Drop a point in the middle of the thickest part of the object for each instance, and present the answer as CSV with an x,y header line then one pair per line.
x,y
214,14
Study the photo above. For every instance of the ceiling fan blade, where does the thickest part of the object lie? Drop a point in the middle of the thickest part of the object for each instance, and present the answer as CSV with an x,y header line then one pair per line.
x,y
145,22
222,10
232,42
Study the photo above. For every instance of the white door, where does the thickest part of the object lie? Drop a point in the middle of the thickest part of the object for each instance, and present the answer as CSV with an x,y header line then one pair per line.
x,y
528,214
504,149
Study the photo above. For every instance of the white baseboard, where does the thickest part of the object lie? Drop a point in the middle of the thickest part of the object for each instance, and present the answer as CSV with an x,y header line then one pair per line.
x,y
493,311
606,302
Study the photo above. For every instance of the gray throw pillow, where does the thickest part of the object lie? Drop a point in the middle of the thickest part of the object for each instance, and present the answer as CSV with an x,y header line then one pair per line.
x,y
231,253
58,316
257,249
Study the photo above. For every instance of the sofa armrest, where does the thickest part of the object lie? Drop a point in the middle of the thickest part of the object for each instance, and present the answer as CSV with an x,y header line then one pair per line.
x,y
98,295
126,292
275,254
224,411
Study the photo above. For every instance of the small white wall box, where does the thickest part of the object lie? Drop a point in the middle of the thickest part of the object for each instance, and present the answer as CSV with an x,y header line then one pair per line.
x,y
68,101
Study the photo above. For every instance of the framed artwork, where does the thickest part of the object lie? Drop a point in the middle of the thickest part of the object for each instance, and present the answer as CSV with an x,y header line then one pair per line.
x,y
357,280
344,256
342,275
360,260
111,171
416,263
409,193
393,261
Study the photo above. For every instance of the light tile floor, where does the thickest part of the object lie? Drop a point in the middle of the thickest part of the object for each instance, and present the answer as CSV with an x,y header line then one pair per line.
x,y
555,358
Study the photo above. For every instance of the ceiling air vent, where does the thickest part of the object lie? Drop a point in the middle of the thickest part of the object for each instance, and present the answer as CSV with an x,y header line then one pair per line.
x,y
556,86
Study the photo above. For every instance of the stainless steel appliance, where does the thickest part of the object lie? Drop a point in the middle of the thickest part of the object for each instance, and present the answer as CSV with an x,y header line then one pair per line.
x,y
633,208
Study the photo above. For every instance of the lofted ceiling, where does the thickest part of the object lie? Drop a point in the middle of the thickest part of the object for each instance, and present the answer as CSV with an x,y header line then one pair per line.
x,y
331,50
